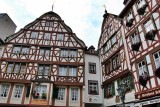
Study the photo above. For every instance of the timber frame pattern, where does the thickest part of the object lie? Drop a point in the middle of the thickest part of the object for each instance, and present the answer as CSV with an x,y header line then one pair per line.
x,y
60,37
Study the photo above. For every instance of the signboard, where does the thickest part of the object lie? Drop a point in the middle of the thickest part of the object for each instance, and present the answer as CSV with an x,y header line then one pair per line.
x,y
150,102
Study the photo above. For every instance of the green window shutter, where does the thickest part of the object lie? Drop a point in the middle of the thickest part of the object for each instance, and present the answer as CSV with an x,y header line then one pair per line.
x,y
131,81
28,90
113,89
55,93
105,92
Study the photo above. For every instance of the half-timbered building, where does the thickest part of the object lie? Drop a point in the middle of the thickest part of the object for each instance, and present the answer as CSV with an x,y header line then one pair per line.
x,y
114,61
43,64
141,30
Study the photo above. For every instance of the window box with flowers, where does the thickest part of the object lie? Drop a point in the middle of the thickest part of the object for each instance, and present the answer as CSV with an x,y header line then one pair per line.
x,y
44,95
135,46
157,72
93,92
150,35
35,94
142,9
143,80
129,23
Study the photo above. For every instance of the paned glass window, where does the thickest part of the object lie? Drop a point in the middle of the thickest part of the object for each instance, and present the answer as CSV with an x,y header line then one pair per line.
x,y
34,35
61,94
93,87
40,90
92,68
149,26
72,71
4,90
44,70
157,59
74,94
60,37
18,91
135,38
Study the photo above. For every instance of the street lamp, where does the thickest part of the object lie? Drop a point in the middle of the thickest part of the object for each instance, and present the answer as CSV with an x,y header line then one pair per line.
x,y
121,91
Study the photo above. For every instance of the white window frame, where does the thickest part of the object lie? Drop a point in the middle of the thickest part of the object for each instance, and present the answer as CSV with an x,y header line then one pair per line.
x,y
93,86
61,94
113,39
135,38
16,68
149,25
142,68
18,91
4,90
40,89
64,53
44,70
73,53
74,94
156,57
45,52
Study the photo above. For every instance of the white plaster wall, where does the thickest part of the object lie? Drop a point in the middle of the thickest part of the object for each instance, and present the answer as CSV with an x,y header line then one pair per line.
x,y
95,77
7,27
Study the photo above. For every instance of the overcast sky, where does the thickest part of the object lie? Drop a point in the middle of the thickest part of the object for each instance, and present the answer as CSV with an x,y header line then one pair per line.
x,y
84,17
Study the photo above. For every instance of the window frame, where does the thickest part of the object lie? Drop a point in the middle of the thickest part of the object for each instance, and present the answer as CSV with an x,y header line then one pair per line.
x,y
158,58
93,84
34,35
43,73
18,91
66,71
74,94
4,91
62,92
93,66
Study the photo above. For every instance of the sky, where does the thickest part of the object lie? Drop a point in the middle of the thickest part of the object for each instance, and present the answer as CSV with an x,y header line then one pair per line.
x,y
84,17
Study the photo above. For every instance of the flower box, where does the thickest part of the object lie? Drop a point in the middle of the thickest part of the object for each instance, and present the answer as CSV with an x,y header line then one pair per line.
x,y
143,80
135,47
130,22
142,9
150,35
157,72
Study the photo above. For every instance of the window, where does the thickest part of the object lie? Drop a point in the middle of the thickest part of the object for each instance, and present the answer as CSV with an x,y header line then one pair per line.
x,y
93,87
61,93
107,46
110,28
44,70
115,62
157,59
135,38
34,35
62,71
64,53
23,50
47,36
0,52
60,37
92,68
67,71
113,40
129,16
44,51
49,24
72,71
74,94
4,90
110,90
73,53
141,3
41,91
108,67
18,91
149,26
16,68
142,68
